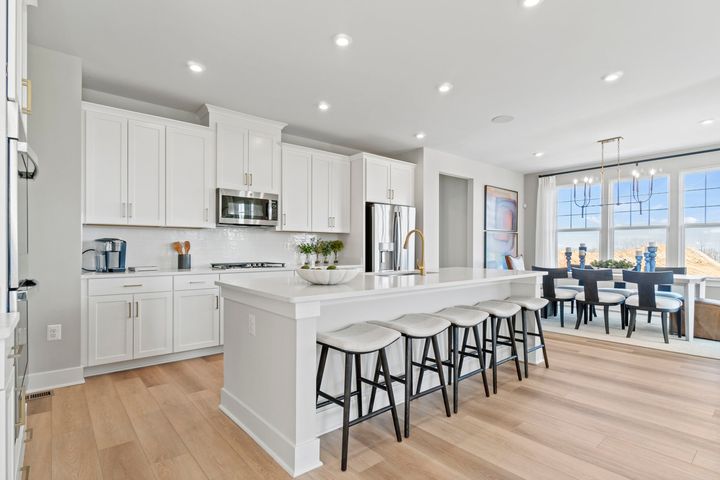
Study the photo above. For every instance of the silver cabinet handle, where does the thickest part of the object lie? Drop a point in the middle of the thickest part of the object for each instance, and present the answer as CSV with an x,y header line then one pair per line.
x,y
284,218
130,210
124,209
17,351
245,178
129,309
196,282
251,179
207,214
217,302
133,285
137,309
392,194
388,194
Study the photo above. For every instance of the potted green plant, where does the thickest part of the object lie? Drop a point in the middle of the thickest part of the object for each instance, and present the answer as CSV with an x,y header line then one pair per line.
x,y
337,247
318,249
622,264
326,251
306,250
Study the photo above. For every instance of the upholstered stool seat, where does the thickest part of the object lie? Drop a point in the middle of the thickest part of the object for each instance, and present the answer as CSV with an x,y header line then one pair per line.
x,y
565,293
498,308
359,338
529,303
626,292
463,317
675,295
577,288
534,305
417,325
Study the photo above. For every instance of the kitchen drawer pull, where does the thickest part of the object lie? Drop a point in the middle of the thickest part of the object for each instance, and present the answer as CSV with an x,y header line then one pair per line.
x,y
27,109
28,435
217,302
129,309
197,282
137,309
133,285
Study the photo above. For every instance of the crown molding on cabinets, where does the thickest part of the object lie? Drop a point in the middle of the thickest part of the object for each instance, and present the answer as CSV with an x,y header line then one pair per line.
x,y
211,114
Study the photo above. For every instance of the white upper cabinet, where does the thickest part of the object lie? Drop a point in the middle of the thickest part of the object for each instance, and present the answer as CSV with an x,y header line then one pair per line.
x,y
248,150
321,221
340,195
189,178
330,193
388,180
106,168
295,199
146,173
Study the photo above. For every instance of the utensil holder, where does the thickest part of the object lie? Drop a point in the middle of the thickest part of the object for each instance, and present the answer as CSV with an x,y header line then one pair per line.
x,y
184,262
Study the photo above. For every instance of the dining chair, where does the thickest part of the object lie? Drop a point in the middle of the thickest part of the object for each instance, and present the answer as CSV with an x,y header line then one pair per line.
x,y
590,296
648,300
556,294
666,291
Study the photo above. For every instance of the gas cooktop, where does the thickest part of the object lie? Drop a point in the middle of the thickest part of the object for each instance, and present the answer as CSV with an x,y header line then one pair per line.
x,y
228,266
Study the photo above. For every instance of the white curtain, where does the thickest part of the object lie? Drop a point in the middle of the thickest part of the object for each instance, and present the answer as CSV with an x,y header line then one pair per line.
x,y
546,223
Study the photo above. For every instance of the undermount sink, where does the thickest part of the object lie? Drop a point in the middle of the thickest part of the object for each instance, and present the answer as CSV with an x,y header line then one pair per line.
x,y
401,273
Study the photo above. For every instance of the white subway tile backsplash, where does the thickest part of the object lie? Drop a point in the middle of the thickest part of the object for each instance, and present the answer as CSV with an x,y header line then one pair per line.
x,y
152,245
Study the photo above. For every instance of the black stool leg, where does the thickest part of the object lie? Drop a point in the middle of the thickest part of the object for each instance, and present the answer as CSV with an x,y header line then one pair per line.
x,y
426,351
464,345
493,355
580,310
664,318
376,378
606,317
524,340
408,383
438,364
679,320
476,332
572,307
358,383
321,371
513,347
346,410
391,395
456,365
542,338
631,323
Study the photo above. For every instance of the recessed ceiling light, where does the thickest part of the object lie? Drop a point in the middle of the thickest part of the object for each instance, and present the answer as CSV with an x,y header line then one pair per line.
x,y
195,67
323,106
613,77
538,154
530,3
707,121
420,135
342,40
445,87
502,119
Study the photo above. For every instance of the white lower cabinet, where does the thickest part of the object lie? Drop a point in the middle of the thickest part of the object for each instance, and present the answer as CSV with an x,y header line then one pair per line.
x,y
197,319
153,324
110,329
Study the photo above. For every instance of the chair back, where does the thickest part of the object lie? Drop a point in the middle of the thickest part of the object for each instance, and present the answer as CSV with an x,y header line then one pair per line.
x,y
515,263
646,282
589,279
548,280
675,270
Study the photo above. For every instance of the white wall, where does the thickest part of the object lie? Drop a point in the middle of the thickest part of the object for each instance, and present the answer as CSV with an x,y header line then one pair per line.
x,y
435,163
152,245
54,223
455,222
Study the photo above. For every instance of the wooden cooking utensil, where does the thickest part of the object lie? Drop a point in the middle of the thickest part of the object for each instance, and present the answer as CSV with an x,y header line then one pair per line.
x,y
187,247
177,247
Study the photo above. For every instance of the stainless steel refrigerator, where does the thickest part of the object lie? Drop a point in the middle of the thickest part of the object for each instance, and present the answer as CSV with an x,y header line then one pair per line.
x,y
386,229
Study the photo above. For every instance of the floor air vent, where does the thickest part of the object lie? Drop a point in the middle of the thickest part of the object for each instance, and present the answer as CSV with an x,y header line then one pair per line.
x,y
36,395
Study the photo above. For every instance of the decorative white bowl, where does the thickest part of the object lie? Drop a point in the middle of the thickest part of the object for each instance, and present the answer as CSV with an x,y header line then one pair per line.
x,y
327,277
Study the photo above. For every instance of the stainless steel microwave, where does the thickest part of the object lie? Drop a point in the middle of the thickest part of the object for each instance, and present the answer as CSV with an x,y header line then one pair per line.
x,y
236,207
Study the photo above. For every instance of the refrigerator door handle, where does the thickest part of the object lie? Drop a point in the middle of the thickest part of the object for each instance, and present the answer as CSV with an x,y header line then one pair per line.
x,y
397,241
12,217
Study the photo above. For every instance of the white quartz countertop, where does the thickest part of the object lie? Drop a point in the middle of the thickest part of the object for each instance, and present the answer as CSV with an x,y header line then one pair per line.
x,y
293,289
8,321
194,271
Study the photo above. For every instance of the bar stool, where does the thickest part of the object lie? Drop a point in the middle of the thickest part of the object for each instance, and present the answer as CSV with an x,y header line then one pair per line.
x,y
353,341
499,311
469,320
530,304
417,326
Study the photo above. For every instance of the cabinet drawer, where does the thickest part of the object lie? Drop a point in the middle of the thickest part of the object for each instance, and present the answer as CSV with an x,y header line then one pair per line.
x,y
9,361
195,282
118,286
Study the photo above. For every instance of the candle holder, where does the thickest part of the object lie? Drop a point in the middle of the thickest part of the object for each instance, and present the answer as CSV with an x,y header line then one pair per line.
x,y
652,254
646,254
582,253
568,258
638,262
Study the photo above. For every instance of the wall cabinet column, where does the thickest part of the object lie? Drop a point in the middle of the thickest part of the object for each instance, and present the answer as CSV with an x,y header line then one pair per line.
x,y
146,173
295,198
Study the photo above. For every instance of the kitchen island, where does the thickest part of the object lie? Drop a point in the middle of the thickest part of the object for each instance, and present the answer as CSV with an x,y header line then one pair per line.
x,y
271,354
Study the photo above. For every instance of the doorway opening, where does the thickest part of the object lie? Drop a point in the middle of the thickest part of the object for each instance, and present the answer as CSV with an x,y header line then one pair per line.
x,y
455,212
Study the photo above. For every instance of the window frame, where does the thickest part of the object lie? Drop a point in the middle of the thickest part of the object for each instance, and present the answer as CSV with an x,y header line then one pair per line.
x,y
682,225
580,230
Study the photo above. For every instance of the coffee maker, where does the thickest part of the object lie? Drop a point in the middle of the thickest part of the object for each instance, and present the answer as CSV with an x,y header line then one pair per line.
x,y
110,255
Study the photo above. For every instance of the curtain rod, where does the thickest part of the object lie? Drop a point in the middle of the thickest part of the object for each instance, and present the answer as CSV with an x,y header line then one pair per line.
x,y
687,154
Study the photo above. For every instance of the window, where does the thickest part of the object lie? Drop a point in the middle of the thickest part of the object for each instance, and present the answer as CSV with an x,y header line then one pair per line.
x,y
701,214
575,226
635,227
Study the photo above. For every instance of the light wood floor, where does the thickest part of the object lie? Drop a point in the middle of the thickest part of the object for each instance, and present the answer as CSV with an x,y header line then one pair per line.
x,y
601,411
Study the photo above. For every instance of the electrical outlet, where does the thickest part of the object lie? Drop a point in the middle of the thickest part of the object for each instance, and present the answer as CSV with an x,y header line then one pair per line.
x,y
251,324
54,332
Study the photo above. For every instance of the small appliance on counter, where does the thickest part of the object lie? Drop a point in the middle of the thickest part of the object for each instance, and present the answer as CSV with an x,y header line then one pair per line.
x,y
109,255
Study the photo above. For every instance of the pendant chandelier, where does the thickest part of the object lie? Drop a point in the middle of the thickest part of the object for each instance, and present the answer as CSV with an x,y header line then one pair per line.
x,y
637,196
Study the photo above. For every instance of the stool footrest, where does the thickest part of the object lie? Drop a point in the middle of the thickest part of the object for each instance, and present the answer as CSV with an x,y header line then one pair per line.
x,y
370,415
472,373
330,399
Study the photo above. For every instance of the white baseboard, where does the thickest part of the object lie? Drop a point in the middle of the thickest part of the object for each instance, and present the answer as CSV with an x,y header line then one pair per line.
x,y
41,381
148,361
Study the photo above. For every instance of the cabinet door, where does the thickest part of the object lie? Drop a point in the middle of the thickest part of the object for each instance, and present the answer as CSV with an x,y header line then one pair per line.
x,y
377,180
189,182
232,149
261,147
402,184
146,173
340,196
7,442
196,319
153,324
295,197
321,192
110,329
106,168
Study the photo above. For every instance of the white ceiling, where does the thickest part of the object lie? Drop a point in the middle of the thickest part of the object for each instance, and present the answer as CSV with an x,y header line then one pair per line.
x,y
276,59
